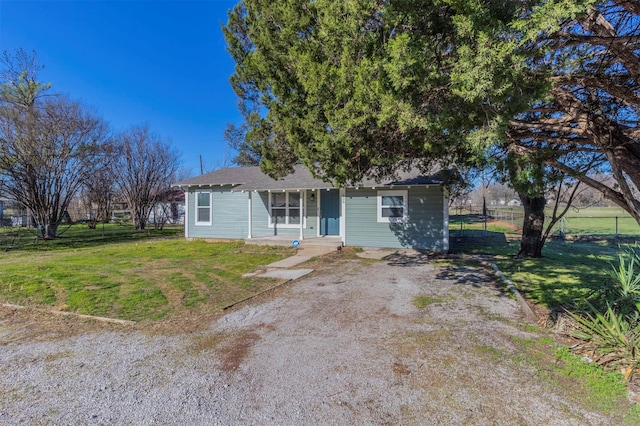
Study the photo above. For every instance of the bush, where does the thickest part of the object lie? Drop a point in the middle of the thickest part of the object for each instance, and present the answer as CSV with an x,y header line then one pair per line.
x,y
609,323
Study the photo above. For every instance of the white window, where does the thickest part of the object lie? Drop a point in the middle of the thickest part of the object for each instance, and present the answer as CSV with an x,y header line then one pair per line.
x,y
285,209
203,208
392,206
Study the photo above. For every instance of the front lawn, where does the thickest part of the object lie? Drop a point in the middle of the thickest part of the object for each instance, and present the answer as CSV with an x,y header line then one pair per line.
x,y
143,279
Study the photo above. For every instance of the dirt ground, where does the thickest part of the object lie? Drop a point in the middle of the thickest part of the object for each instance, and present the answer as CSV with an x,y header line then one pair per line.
x,y
346,344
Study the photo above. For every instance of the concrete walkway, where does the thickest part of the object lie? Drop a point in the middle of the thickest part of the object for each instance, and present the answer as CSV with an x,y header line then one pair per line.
x,y
280,269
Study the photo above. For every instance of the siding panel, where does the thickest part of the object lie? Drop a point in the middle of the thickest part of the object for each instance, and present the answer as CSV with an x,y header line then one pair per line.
x,y
423,230
229,215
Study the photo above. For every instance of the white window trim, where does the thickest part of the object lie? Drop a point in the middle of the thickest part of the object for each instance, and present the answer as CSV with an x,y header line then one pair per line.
x,y
210,221
405,213
288,225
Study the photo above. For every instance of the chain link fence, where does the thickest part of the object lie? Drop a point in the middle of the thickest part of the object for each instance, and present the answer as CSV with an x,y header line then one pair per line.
x,y
597,222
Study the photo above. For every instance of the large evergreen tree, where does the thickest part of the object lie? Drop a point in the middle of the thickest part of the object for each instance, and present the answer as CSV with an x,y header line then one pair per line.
x,y
360,88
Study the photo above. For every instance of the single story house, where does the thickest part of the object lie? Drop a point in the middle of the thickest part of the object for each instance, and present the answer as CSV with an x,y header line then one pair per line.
x,y
244,203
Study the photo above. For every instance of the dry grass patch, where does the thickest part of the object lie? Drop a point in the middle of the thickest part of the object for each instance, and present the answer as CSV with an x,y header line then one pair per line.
x,y
233,353
208,342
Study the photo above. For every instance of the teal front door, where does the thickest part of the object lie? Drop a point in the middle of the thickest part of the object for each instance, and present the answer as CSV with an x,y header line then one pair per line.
x,y
330,212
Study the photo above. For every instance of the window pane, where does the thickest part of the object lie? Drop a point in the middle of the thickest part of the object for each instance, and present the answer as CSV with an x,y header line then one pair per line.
x,y
392,200
204,199
203,214
294,216
278,216
294,199
278,199
392,212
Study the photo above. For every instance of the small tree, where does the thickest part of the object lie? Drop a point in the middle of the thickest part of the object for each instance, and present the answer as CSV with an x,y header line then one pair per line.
x,y
145,167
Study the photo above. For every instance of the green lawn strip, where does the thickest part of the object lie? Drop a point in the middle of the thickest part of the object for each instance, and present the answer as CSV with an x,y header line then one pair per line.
x,y
568,272
80,236
603,226
138,280
586,383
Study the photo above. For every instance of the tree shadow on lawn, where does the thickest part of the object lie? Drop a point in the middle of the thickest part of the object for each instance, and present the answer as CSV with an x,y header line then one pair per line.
x,y
568,272
79,236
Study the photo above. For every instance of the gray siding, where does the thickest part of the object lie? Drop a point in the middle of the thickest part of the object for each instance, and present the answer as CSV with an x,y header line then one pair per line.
x,y
230,215
423,230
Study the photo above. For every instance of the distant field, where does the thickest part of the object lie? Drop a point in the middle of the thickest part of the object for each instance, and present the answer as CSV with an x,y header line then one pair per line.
x,y
592,221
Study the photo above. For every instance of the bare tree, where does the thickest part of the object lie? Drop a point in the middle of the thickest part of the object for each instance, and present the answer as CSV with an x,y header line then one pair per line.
x,y
46,156
48,146
98,195
146,166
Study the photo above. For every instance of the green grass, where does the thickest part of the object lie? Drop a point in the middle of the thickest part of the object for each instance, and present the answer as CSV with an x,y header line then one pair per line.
x,y
78,236
596,225
592,221
587,383
423,300
140,279
567,272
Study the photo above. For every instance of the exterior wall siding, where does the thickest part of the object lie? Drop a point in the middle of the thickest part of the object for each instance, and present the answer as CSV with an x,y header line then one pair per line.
x,y
422,230
230,215
260,214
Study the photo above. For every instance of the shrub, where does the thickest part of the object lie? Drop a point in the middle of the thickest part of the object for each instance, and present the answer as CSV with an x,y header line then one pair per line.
x,y
609,323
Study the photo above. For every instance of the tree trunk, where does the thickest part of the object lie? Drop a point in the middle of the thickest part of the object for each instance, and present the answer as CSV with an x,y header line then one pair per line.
x,y
49,231
532,227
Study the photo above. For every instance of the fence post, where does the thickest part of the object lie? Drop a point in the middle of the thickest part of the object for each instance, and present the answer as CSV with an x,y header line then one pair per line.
x,y
616,226
484,224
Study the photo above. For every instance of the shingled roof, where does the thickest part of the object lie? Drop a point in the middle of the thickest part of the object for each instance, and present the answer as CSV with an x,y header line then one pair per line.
x,y
252,179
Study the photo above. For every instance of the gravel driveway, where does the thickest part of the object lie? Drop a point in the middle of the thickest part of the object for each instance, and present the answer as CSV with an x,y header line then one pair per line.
x,y
343,346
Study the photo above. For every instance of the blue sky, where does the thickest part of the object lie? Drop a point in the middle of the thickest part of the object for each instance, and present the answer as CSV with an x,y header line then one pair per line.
x,y
159,62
